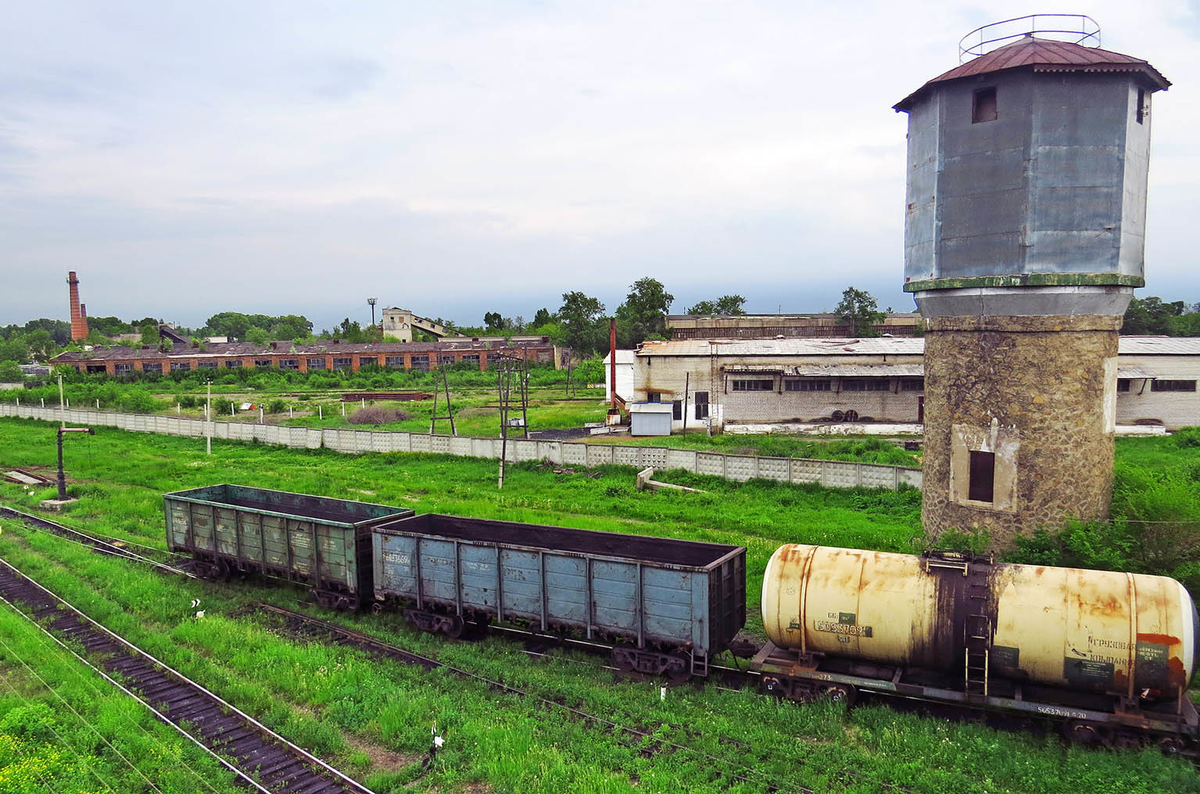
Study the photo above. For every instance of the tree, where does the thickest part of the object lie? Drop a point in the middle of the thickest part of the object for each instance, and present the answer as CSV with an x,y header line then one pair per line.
x,y
149,332
10,372
1151,316
860,311
643,315
258,336
583,322
726,304
41,344
494,321
542,317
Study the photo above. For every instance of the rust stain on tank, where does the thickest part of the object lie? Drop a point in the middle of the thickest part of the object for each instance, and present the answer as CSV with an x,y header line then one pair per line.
x,y
1158,639
1176,675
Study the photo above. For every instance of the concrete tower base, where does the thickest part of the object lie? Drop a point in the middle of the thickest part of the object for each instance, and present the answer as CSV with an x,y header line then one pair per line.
x,y
1019,422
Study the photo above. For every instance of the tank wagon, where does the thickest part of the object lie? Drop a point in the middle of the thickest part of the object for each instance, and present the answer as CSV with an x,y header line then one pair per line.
x,y
320,542
667,605
1110,653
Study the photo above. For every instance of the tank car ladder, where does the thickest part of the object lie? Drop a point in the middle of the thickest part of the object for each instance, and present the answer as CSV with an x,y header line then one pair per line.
x,y
978,640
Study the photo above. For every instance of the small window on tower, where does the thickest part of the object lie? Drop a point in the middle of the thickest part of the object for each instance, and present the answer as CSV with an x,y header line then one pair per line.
x,y
984,107
1141,106
983,476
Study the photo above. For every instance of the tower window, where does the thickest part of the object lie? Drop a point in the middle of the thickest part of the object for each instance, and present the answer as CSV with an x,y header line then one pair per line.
x,y
983,476
1141,106
984,106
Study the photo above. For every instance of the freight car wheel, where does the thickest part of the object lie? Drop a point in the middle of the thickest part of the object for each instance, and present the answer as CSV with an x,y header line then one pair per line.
x,y
453,627
1172,744
840,693
377,607
1084,733
679,669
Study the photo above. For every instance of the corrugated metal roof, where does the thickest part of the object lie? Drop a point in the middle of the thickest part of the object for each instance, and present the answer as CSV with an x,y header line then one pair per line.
x,y
834,370
913,346
1135,372
1044,55
876,346
1160,346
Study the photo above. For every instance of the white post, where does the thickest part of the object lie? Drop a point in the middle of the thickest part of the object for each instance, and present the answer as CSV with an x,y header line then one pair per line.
x,y
231,409
320,412
97,403
43,399
208,420
260,415
68,403
343,409
18,402
178,408
290,414
364,402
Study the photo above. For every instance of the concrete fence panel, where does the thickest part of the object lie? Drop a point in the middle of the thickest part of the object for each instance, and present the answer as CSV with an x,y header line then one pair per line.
x,y
833,474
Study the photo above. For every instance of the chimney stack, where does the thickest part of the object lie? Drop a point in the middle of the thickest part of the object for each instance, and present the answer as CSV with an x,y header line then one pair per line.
x,y
79,327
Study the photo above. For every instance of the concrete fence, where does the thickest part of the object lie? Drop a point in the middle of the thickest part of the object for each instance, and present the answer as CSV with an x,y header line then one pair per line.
x,y
830,473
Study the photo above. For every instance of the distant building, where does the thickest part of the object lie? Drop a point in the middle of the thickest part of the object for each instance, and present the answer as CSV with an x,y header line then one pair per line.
x,y
788,326
773,381
328,355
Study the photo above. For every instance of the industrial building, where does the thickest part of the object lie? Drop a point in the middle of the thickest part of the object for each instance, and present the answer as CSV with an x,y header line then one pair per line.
x,y
779,381
325,355
788,326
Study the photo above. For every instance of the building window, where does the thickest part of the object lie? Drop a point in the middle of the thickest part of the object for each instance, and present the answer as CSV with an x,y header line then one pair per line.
x,y
178,365
753,385
316,363
1172,385
233,363
206,365
983,476
445,360
677,410
874,384
262,362
653,397
1123,384
807,385
420,363
493,357
1141,106
394,362
342,363
983,107
122,369
152,366
289,363
471,357
701,405
912,384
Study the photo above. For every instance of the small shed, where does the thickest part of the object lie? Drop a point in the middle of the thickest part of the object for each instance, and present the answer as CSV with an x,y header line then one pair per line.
x,y
650,419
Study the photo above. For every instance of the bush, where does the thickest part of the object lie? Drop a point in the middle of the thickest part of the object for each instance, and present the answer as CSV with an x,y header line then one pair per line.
x,y
1187,437
187,401
276,407
377,415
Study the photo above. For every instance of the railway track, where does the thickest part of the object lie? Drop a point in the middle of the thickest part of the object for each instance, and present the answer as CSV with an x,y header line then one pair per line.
x,y
115,547
262,759
309,627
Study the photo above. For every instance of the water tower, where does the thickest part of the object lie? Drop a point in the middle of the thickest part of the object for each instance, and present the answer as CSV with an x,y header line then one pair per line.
x,y
1024,232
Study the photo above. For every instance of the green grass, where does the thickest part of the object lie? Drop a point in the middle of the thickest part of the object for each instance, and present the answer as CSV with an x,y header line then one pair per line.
x,y
864,449
338,701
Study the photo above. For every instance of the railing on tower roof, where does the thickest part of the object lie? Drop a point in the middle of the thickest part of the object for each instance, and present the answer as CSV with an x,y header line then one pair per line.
x,y
1073,28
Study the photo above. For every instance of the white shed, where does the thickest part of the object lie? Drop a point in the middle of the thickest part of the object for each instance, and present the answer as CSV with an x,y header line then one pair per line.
x,y
624,376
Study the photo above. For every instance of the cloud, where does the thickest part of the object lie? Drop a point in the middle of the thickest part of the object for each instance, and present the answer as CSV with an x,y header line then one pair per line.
x,y
454,156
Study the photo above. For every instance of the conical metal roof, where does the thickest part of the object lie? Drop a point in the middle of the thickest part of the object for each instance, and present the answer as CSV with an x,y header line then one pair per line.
x,y
1044,55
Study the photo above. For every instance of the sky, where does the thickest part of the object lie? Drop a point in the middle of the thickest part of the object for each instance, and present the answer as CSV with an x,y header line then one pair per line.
x,y
461,157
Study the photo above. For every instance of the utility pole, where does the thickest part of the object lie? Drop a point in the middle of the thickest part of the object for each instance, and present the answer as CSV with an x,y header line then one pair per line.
x,y
208,416
371,301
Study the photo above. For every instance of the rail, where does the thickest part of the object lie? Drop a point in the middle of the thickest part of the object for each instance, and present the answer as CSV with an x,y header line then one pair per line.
x,y
829,473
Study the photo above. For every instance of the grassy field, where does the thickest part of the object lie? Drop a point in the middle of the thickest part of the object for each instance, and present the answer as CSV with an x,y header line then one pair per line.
x,y
373,718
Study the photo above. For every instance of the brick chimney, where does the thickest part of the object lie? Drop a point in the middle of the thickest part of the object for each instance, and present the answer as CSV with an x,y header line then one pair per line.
x,y
79,327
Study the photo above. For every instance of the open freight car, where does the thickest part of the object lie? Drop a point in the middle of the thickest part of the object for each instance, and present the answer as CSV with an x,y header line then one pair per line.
x,y
321,542
667,605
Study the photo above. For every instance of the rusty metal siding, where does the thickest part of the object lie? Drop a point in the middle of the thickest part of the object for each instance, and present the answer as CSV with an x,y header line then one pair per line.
x,y
1104,631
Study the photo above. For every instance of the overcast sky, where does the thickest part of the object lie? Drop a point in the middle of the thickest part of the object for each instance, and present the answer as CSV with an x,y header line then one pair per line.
x,y
458,157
